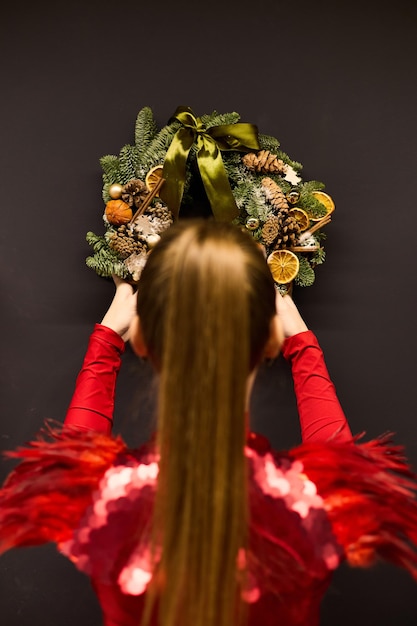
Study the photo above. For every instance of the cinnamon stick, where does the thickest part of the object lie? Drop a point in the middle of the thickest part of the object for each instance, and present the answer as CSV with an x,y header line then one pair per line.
x,y
304,248
324,220
148,200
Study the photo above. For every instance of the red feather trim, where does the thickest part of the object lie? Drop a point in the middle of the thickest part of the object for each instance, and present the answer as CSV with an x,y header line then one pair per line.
x,y
369,492
44,497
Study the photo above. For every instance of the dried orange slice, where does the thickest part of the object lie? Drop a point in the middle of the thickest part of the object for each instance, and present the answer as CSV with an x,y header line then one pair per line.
x,y
301,217
327,202
153,177
284,266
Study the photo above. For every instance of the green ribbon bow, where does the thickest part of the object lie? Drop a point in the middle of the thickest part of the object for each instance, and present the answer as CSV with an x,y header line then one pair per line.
x,y
209,142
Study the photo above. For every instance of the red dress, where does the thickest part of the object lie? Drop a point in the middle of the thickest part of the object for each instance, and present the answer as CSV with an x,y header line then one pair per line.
x,y
325,501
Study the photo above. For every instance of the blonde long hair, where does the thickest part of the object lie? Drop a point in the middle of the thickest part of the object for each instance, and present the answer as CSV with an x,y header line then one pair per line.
x,y
206,300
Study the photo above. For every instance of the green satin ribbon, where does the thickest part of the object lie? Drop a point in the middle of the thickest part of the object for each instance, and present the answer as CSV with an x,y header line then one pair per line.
x,y
209,143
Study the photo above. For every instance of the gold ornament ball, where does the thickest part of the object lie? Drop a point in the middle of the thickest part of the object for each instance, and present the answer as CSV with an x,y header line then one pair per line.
x,y
115,191
152,240
252,223
293,197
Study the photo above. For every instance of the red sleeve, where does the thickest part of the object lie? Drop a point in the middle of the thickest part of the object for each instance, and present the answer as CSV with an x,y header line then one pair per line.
x,y
92,404
321,416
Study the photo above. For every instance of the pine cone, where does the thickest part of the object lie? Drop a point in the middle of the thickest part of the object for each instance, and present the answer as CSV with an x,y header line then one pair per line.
x,y
264,161
270,229
274,194
134,192
289,231
160,217
125,242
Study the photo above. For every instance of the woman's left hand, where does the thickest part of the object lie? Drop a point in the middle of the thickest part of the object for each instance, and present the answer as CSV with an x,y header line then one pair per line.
x,y
291,321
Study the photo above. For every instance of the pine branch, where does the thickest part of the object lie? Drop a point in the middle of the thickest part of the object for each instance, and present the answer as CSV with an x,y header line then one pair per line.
x,y
313,185
104,261
145,129
268,143
110,165
97,242
257,207
241,195
232,161
312,206
306,275
294,164
157,149
218,119
106,266
129,158
251,201
111,168
308,202
318,257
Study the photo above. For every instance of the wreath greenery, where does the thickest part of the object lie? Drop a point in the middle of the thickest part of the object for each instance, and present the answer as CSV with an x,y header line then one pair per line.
x,y
216,167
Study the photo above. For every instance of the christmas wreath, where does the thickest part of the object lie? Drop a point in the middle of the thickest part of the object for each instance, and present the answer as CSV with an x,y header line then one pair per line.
x,y
216,167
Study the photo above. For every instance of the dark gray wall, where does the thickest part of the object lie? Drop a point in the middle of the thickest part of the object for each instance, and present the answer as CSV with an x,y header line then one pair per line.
x,y
336,83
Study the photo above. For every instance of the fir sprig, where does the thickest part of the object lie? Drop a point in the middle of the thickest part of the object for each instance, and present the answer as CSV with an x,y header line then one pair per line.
x,y
267,142
129,156
104,261
110,165
146,129
318,257
155,153
306,275
218,119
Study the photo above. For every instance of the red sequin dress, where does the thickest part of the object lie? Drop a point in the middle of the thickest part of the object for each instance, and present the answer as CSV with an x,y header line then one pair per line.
x,y
327,500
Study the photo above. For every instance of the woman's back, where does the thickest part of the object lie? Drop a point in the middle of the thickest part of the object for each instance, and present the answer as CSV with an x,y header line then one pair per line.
x,y
208,526
290,541
358,507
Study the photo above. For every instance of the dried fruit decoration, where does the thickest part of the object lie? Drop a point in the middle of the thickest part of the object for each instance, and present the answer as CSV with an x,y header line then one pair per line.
x,y
284,266
118,212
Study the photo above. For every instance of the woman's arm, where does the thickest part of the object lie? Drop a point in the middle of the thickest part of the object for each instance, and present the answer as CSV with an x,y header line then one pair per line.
x,y
321,415
92,404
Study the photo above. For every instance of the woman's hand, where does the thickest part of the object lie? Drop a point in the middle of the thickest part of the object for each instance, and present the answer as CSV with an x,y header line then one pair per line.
x,y
291,321
122,309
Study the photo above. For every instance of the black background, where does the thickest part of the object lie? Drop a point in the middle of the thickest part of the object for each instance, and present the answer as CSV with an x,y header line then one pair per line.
x,y
336,84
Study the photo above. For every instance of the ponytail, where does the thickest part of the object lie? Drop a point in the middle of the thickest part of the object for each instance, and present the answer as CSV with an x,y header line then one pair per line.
x,y
199,317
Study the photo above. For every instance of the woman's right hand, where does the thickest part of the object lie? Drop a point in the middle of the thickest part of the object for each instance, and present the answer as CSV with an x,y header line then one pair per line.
x,y
291,321
122,309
